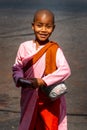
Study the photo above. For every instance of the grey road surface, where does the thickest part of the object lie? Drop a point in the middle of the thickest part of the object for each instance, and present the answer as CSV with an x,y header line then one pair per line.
x,y
71,34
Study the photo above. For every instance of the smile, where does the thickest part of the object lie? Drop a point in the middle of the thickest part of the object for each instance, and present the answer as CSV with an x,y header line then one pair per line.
x,y
43,35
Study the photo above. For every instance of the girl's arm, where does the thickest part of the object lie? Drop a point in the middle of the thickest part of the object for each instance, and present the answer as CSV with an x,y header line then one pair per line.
x,y
17,67
63,71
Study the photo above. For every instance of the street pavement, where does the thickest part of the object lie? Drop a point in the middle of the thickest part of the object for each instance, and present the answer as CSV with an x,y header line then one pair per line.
x,y
71,34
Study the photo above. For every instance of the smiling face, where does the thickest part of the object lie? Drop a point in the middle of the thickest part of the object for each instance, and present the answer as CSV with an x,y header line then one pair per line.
x,y
43,25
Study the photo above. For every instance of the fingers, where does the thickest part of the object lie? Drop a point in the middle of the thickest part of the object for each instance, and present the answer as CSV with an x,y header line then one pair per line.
x,y
37,82
31,82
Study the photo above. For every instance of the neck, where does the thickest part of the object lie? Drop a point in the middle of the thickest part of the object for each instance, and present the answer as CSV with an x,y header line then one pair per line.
x,y
39,43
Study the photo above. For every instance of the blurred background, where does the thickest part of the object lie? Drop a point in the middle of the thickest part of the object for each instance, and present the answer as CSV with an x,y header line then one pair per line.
x,y
70,32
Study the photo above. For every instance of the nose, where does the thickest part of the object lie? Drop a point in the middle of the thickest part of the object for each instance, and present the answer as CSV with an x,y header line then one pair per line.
x,y
44,28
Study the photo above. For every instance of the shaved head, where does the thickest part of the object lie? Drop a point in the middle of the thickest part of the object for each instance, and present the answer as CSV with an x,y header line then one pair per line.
x,y
45,13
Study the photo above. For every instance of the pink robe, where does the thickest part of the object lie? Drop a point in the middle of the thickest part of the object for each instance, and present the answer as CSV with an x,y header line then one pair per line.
x,y
25,52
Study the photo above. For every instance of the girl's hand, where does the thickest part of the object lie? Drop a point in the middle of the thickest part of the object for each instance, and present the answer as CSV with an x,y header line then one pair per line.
x,y
37,82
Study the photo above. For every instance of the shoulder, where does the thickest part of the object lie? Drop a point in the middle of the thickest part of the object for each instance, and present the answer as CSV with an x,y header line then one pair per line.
x,y
55,43
58,48
25,47
27,43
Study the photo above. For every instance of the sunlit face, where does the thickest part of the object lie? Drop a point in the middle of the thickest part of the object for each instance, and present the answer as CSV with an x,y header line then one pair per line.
x,y
43,26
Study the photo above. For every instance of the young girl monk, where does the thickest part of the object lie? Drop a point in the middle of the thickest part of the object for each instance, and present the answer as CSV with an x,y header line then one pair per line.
x,y
38,112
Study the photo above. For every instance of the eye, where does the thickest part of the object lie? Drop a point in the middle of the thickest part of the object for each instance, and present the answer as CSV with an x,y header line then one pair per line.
x,y
39,25
49,26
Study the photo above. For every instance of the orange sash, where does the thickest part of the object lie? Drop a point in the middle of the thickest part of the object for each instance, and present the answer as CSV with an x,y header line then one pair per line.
x,y
48,111
37,56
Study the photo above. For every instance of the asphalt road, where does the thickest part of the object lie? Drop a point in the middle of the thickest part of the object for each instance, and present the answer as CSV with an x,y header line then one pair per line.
x,y
71,33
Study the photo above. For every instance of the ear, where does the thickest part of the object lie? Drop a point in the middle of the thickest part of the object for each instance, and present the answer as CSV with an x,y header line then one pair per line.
x,y
32,25
53,27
